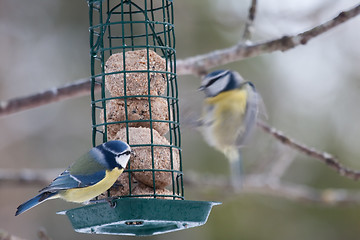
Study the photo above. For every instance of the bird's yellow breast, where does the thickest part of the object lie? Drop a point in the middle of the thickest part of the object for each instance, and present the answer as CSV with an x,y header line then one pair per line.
x,y
85,194
230,99
225,112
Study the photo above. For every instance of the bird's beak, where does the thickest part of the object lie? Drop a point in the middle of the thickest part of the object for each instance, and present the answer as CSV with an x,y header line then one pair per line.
x,y
133,153
201,88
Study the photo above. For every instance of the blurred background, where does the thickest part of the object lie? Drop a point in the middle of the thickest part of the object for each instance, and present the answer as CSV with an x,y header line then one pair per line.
x,y
310,92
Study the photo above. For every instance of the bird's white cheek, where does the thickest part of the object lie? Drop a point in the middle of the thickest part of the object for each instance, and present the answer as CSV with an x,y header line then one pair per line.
x,y
123,160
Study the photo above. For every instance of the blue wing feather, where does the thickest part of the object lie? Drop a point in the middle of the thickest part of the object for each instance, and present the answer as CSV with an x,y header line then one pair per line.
x,y
86,171
67,181
33,202
89,180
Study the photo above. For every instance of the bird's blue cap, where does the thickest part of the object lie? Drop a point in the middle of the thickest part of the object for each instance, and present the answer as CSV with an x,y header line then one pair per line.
x,y
116,146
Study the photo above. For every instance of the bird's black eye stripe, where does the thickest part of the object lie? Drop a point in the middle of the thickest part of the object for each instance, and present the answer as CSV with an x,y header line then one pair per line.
x,y
216,77
211,82
126,152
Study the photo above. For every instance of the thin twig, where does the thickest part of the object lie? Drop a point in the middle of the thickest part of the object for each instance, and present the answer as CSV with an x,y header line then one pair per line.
x,y
324,157
282,161
192,65
250,21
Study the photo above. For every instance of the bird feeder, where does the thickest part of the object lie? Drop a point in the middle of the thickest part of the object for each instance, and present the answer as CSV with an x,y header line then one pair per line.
x,y
134,98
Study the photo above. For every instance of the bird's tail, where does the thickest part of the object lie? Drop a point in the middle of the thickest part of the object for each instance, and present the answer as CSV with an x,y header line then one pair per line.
x,y
35,201
234,156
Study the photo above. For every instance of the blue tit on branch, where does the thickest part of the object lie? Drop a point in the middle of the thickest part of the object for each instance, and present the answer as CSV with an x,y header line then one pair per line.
x,y
92,174
229,113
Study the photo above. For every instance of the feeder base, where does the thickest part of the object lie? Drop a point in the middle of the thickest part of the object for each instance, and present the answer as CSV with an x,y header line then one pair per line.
x,y
139,217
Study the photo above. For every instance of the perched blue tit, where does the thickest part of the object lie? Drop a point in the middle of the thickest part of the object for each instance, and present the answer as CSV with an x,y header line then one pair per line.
x,y
229,113
92,174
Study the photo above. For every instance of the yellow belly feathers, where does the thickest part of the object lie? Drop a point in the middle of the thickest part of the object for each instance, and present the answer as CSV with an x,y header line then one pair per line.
x,y
228,112
85,194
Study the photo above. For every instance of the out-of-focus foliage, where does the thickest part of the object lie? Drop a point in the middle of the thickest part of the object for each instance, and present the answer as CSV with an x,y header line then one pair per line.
x,y
310,92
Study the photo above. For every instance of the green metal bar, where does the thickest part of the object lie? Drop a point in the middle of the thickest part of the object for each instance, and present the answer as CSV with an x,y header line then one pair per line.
x,y
157,17
103,29
108,26
132,36
168,101
125,93
148,99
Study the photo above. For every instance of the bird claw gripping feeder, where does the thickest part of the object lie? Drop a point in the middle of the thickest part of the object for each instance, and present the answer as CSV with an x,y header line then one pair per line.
x,y
134,98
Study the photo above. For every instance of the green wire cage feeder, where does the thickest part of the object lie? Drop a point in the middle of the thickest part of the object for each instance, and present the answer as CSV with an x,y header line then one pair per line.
x,y
134,98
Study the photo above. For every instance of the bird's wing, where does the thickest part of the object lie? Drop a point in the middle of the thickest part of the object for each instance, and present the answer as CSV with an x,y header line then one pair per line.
x,y
66,180
251,113
84,172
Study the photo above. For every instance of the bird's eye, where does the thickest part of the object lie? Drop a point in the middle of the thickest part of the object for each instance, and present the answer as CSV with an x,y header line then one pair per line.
x,y
127,152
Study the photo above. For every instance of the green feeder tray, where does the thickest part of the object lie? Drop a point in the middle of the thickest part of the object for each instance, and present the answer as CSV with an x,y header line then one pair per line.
x,y
139,217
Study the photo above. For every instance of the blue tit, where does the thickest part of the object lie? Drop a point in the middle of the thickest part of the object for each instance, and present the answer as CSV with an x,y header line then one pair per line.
x,y
89,176
229,113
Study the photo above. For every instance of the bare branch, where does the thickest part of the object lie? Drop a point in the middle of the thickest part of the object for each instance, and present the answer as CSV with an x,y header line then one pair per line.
x,y
324,157
250,21
253,184
258,184
27,176
192,65
76,89
241,51
7,236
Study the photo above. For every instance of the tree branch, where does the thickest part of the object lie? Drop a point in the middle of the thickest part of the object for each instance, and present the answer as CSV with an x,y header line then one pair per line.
x,y
76,89
250,21
192,65
27,176
7,236
324,157
253,184
258,184
241,51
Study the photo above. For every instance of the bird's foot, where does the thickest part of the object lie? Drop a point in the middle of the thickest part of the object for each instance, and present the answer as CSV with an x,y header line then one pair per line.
x,y
111,202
